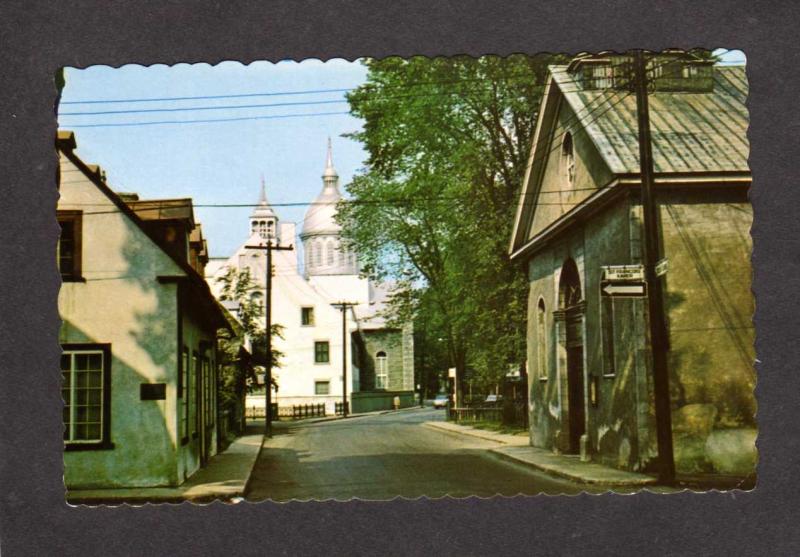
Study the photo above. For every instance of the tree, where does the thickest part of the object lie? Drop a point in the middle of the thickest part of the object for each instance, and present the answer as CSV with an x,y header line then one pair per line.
x,y
448,141
237,375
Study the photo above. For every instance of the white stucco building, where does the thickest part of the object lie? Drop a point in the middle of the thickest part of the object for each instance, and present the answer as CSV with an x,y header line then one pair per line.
x,y
379,358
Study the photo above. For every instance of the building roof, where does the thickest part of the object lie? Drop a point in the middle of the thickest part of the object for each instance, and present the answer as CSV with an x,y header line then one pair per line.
x,y
320,218
66,143
263,209
691,131
164,209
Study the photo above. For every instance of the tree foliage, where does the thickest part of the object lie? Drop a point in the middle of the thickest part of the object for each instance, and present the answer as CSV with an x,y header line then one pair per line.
x,y
448,141
239,287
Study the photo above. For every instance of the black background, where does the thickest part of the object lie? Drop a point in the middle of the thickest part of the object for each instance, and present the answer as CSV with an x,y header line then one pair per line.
x,y
38,37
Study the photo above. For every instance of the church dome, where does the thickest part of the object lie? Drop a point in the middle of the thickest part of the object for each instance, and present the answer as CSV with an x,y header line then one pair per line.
x,y
320,218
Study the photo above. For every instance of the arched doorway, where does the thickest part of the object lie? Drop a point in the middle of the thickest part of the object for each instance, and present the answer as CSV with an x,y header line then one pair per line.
x,y
570,301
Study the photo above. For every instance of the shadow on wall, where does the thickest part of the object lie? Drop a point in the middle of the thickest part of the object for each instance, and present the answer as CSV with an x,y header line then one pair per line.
x,y
143,350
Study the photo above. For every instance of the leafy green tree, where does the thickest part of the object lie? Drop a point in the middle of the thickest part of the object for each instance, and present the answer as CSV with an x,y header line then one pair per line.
x,y
236,375
448,141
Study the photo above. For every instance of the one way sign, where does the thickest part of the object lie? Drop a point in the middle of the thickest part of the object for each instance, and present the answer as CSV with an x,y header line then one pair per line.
x,y
623,289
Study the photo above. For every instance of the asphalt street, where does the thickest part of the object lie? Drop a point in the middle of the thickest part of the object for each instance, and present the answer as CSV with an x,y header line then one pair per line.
x,y
379,457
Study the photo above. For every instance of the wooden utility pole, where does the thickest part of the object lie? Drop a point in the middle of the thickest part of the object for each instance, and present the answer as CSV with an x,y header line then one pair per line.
x,y
343,307
659,342
269,248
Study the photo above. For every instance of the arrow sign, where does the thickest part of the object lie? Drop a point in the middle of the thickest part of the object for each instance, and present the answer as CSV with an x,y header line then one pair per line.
x,y
623,289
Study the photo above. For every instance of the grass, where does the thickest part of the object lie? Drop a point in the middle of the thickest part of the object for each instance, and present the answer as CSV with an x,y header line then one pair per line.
x,y
497,427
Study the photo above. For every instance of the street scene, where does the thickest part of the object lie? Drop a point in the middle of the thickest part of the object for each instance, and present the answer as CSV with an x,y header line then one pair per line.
x,y
406,278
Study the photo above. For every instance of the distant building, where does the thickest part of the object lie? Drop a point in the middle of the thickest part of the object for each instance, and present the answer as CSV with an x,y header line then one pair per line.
x,y
138,334
380,357
590,376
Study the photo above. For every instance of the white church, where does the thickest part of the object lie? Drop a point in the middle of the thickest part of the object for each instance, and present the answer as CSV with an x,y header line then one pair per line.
x,y
380,358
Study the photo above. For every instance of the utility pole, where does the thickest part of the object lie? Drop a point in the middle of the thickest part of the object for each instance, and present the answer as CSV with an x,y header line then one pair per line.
x,y
343,307
269,248
659,342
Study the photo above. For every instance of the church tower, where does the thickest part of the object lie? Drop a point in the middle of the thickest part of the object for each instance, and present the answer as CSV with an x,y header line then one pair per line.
x,y
263,220
321,236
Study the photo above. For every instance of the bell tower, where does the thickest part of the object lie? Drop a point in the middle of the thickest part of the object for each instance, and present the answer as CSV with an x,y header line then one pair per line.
x,y
263,219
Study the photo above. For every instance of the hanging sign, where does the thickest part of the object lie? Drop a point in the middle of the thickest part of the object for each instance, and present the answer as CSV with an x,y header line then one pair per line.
x,y
623,272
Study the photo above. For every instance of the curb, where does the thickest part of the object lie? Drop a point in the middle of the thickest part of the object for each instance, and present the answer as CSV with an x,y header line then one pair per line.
x,y
472,432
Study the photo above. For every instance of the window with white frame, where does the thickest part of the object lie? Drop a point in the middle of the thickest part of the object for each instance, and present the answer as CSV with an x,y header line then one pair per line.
x,y
329,254
322,387
85,371
381,370
317,253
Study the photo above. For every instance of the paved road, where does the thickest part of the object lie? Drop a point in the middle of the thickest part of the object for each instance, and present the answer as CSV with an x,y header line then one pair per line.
x,y
383,456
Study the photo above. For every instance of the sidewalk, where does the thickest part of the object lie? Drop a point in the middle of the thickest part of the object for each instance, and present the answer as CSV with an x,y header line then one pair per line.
x,y
516,449
225,477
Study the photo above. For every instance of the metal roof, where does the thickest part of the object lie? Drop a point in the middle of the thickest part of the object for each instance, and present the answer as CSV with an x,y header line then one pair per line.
x,y
691,131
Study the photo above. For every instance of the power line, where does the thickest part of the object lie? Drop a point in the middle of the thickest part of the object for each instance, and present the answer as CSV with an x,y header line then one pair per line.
x,y
207,121
300,92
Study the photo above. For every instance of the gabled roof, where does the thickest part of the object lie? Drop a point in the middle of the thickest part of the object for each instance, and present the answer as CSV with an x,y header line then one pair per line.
x,y
164,209
691,132
66,144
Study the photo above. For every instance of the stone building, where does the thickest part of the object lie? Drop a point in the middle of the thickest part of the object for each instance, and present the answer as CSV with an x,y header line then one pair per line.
x,y
590,377
380,358
138,334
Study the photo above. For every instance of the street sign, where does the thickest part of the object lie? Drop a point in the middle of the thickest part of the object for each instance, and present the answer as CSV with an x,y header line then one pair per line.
x,y
623,272
451,373
662,267
623,289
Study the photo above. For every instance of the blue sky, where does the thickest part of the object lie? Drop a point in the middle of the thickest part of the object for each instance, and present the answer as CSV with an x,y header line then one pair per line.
x,y
217,162
221,162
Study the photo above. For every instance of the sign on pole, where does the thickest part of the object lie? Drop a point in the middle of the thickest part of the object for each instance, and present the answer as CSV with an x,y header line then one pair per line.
x,y
623,289
662,267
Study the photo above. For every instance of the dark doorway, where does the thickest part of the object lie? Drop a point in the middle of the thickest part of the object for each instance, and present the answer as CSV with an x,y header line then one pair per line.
x,y
575,394
571,302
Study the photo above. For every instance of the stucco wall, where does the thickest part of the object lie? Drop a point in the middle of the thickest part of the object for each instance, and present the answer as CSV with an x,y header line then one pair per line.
x,y
556,196
122,303
617,424
710,307
707,290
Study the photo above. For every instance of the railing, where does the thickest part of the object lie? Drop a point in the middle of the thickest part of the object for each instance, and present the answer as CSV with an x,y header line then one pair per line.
x,y
257,411
474,414
339,406
507,413
300,411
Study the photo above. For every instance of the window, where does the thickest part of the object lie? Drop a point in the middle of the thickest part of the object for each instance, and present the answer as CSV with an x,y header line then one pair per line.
x,y
568,158
322,387
183,393
195,392
69,245
86,390
262,228
330,254
541,341
307,316
381,370
317,253
607,333
322,351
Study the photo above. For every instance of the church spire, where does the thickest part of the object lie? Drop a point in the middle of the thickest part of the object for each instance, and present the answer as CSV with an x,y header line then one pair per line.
x,y
330,177
262,198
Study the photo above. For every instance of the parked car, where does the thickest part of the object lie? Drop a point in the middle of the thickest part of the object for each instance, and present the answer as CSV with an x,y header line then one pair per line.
x,y
494,398
440,401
